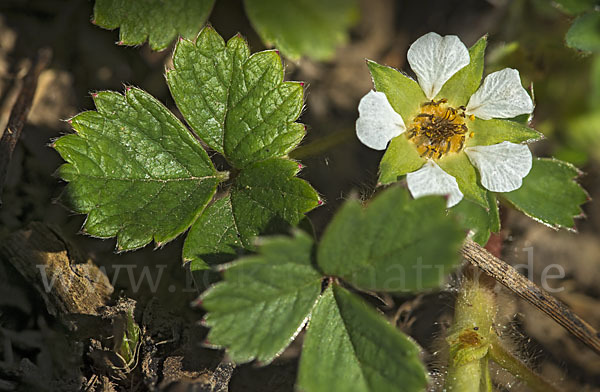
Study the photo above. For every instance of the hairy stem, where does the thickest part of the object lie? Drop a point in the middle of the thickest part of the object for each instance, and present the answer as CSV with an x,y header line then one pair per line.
x,y
517,368
470,336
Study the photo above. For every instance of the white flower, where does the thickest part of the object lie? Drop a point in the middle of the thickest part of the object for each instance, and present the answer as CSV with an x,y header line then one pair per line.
x,y
440,130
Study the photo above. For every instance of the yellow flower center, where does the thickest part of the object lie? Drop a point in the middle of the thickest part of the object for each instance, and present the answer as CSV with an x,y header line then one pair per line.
x,y
439,129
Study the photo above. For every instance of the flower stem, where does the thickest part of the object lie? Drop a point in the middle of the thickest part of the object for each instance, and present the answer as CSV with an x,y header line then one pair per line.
x,y
473,341
470,336
515,366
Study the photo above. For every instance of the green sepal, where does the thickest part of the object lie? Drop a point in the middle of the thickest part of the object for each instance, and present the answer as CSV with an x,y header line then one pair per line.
x,y
403,93
459,88
467,177
400,158
550,194
494,131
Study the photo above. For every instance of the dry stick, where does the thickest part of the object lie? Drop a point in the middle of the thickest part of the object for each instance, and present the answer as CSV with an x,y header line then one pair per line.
x,y
19,112
526,289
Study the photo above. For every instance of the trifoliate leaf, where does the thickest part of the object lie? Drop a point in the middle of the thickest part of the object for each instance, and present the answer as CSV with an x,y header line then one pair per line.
x,y
312,28
135,170
348,347
214,238
267,198
459,88
494,131
403,93
264,300
158,21
550,194
584,33
459,167
237,103
394,244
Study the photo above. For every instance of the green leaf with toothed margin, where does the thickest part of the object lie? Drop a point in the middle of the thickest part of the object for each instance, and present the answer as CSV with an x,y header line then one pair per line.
x,y
349,347
394,244
214,238
311,28
264,300
157,21
459,88
267,198
236,102
135,169
550,194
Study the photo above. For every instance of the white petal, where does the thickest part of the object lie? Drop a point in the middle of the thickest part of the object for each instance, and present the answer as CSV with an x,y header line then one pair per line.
x,y
432,180
500,96
502,166
435,59
378,122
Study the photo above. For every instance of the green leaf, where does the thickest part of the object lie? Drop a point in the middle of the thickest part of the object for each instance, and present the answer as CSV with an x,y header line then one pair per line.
x,y
459,167
349,347
459,88
494,131
403,93
549,193
267,198
299,28
264,300
135,170
238,104
574,7
394,244
401,157
481,221
213,238
202,81
158,21
584,33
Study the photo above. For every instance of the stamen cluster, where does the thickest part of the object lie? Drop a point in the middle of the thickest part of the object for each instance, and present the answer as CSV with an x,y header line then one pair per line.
x,y
438,129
